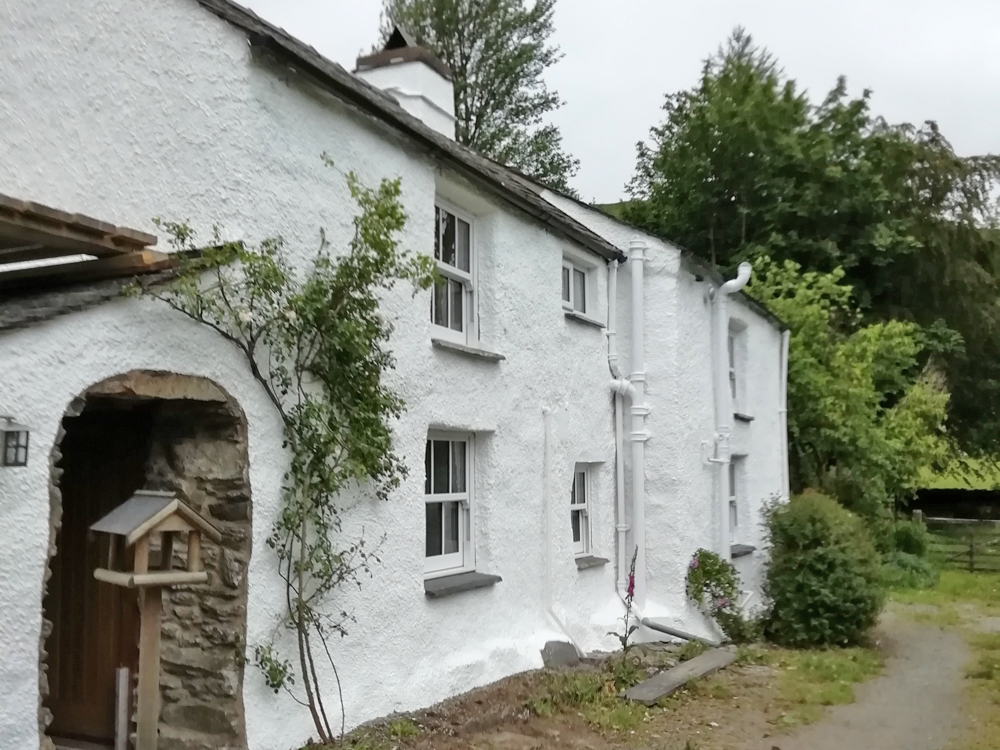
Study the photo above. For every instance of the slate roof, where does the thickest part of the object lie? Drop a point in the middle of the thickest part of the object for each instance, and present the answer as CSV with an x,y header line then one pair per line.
x,y
364,98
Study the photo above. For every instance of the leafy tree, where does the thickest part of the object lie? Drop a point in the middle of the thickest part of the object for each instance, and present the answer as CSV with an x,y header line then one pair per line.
x,y
316,343
745,163
498,51
863,416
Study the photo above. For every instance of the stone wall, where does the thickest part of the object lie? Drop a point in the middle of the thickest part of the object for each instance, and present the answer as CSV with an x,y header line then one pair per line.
x,y
199,451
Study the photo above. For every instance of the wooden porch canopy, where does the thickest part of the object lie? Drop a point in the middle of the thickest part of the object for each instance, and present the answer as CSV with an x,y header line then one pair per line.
x,y
37,238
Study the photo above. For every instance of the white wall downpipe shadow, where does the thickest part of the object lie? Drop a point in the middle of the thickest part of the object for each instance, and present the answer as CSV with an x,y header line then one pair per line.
x,y
724,399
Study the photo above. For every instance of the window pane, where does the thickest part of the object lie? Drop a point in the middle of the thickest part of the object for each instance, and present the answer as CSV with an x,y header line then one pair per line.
x,y
579,290
451,524
457,298
575,517
441,472
437,232
427,469
439,304
565,284
732,479
732,352
433,529
448,238
572,491
458,466
734,518
464,242
581,487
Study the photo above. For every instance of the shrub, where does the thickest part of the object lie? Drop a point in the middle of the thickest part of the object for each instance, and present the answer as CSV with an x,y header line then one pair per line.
x,y
903,570
824,574
911,537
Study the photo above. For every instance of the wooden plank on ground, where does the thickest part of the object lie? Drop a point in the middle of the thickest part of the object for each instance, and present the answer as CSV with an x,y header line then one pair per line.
x,y
668,682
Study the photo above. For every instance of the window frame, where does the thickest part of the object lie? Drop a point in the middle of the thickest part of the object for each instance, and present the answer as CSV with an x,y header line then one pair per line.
x,y
737,359
569,269
585,545
737,468
465,559
469,333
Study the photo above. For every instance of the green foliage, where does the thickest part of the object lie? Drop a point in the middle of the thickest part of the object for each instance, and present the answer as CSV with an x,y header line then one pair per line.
x,y
498,52
316,343
823,575
714,585
592,694
863,416
902,570
911,537
811,680
744,163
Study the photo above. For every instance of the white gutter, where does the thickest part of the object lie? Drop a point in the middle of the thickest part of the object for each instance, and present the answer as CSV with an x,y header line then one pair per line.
x,y
783,414
724,398
547,502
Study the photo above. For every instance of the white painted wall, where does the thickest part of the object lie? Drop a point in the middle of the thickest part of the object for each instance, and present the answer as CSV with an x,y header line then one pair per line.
x,y
681,512
128,111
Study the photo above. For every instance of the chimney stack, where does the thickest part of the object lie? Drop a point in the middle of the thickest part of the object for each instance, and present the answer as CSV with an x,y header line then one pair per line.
x,y
415,78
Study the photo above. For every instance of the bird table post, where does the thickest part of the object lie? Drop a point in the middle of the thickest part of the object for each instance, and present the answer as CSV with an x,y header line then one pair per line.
x,y
135,522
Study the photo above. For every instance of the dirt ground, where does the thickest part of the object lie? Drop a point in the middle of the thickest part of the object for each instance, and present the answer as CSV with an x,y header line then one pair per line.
x,y
915,704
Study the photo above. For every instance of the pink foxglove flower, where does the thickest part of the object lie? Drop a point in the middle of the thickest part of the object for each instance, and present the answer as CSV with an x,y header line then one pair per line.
x,y
694,563
631,585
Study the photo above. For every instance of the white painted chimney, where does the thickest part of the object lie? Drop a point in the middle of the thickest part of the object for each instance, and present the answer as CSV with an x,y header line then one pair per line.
x,y
415,78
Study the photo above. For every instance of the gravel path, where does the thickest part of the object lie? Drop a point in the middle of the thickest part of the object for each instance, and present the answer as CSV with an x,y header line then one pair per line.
x,y
914,705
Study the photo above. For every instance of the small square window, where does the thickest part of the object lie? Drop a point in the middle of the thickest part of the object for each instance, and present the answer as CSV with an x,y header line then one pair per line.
x,y
447,503
579,510
575,280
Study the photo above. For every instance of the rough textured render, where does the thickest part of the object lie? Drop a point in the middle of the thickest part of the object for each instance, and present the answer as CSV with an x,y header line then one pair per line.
x,y
177,116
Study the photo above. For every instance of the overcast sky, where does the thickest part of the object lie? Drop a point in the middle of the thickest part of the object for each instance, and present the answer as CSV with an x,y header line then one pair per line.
x,y
923,59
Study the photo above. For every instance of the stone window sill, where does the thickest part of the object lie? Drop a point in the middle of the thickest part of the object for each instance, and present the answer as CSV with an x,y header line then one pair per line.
x,y
741,550
739,417
436,588
581,318
468,351
589,561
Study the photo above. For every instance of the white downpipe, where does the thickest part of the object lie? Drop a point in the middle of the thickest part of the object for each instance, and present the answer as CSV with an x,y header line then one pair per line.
x,y
620,389
636,260
783,415
724,398
612,331
547,502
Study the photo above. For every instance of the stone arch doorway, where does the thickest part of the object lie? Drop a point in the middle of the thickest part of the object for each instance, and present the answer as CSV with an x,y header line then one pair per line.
x,y
162,431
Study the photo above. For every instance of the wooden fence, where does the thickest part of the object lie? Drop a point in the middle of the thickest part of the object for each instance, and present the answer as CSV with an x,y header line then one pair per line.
x,y
964,543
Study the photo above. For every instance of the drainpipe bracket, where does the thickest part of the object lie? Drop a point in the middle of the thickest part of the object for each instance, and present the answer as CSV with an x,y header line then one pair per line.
x,y
639,436
640,411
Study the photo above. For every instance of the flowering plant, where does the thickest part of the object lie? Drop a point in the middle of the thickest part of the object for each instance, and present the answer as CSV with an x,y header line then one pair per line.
x,y
713,584
629,596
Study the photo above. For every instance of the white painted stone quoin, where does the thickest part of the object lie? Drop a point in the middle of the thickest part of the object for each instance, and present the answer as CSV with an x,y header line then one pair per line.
x,y
129,111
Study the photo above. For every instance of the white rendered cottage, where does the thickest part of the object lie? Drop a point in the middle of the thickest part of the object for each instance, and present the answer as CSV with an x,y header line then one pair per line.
x,y
606,391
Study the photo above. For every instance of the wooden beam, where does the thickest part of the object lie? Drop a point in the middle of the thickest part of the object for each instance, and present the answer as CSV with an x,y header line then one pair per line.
x,y
194,552
143,529
123,705
141,564
166,549
169,578
127,264
116,577
148,713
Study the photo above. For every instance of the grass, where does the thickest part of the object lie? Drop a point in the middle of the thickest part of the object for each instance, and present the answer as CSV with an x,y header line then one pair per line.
x,y
956,587
808,681
593,695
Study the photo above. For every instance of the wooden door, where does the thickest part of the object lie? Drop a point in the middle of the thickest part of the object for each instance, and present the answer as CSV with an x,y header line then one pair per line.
x,y
95,624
